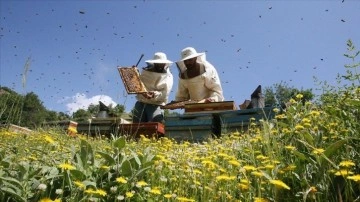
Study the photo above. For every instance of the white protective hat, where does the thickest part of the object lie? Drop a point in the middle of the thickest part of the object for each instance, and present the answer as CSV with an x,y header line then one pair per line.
x,y
188,53
159,57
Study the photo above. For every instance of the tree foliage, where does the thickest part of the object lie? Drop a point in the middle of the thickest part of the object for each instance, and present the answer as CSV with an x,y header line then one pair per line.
x,y
281,93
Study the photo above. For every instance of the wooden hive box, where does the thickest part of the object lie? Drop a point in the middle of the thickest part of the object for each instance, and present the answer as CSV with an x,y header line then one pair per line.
x,y
148,129
239,120
189,127
209,107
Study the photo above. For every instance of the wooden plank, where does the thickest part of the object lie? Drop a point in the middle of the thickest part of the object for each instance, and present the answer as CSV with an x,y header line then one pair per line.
x,y
211,106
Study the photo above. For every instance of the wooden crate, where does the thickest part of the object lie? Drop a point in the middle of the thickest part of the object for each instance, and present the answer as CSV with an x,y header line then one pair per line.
x,y
189,127
239,120
148,129
209,107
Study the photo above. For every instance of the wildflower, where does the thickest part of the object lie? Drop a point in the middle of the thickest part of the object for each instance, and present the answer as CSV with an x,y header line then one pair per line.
x,y
249,168
299,96
167,196
261,157
347,163
234,162
318,151
279,184
129,194
299,127
289,147
315,113
276,110
243,186
90,191
183,199
292,101
120,197
66,166
49,200
42,187
257,173
121,180
49,139
355,178
313,189
225,178
59,191
113,189
155,191
343,173
141,184
280,116
79,184
257,199
101,192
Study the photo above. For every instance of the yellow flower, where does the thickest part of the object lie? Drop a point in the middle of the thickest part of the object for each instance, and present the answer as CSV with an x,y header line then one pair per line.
x,y
355,178
156,191
183,199
101,192
299,127
49,200
129,194
225,178
279,184
257,199
249,168
79,184
167,196
289,147
234,162
299,96
315,113
66,166
343,173
121,180
347,163
141,184
243,186
49,139
318,151
90,191
257,173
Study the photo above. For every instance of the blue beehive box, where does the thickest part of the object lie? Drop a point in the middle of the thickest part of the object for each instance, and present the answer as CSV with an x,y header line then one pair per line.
x,y
189,127
239,120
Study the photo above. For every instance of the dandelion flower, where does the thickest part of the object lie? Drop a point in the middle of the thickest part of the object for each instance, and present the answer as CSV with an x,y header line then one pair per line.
x,y
355,178
257,199
347,163
141,184
299,96
79,184
49,139
183,199
129,194
343,173
234,162
66,166
167,196
155,191
121,180
279,184
249,168
318,151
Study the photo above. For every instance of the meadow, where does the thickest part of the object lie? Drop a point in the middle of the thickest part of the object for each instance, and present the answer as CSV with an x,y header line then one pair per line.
x,y
308,152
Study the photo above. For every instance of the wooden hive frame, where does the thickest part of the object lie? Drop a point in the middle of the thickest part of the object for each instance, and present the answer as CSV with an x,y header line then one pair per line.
x,y
131,79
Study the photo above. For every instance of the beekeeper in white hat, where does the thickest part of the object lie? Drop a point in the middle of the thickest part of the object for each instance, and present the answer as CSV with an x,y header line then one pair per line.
x,y
158,82
198,79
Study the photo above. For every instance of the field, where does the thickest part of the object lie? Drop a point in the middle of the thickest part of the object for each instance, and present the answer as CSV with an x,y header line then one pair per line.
x,y
308,152
304,154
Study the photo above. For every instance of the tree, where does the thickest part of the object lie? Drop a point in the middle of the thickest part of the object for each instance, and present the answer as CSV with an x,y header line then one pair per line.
x,y
33,111
81,115
281,93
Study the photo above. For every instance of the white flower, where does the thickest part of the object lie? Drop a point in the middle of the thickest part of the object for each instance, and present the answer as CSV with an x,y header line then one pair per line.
x,y
147,189
59,191
120,197
113,189
42,187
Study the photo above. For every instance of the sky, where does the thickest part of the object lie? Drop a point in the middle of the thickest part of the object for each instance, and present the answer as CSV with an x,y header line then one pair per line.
x,y
67,52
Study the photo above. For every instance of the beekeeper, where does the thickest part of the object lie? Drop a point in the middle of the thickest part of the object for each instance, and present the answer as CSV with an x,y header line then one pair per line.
x,y
198,79
158,82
